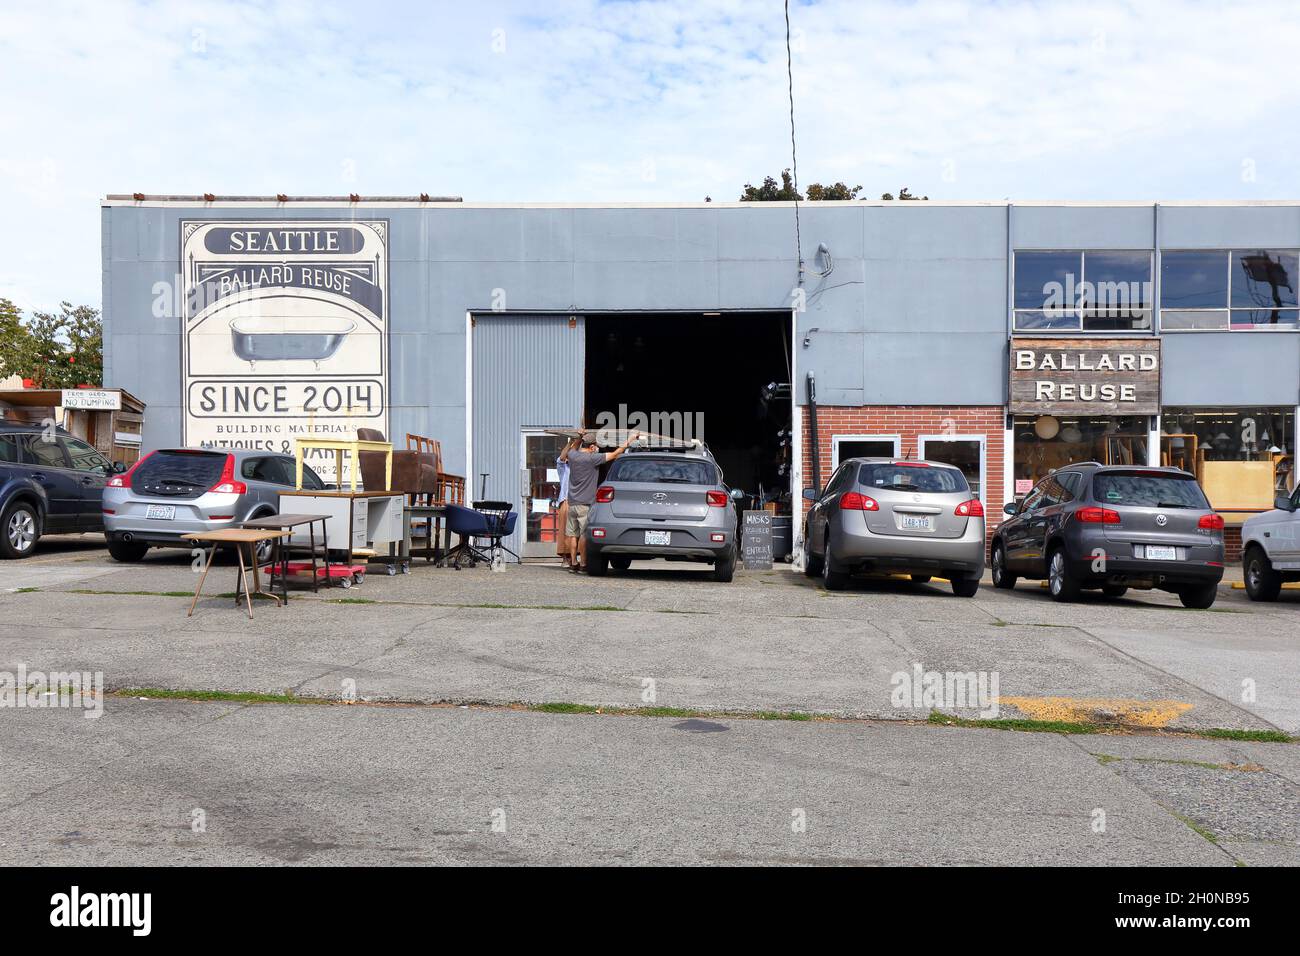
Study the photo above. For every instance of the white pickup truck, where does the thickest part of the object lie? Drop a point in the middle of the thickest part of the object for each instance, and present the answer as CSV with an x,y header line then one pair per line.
x,y
1270,548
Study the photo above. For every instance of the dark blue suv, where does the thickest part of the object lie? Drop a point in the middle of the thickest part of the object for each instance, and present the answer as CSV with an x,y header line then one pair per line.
x,y
49,482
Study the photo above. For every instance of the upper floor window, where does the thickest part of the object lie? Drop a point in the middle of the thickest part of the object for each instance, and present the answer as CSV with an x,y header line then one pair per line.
x,y
1241,289
1082,291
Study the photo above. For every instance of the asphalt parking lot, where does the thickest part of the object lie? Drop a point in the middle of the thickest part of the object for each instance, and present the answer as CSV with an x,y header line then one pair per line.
x,y
475,696
770,641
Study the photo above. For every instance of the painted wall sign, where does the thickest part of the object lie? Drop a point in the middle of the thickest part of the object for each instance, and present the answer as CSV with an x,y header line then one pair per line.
x,y
1085,376
93,398
285,333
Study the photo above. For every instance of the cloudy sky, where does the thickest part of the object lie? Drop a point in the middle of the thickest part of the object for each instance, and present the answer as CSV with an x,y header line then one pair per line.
x,y
659,100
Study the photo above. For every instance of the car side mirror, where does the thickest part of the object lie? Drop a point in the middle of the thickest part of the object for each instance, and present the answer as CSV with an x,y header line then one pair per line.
x,y
737,494
810,494
1011,508
118,468
1283,503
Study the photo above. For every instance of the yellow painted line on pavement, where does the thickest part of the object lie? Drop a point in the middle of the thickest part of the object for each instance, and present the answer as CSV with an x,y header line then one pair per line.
x,y
1093,710
1288,586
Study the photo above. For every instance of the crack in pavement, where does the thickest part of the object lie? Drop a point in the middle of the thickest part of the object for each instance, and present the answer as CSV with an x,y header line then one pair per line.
x,y
1151,797
130,753
359,665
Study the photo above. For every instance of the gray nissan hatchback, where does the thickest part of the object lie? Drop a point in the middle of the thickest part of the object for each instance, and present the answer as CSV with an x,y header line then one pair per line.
x,y
1112,528
878,514
662,504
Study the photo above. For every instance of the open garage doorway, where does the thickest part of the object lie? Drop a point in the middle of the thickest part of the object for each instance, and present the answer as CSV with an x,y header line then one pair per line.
x,y
727,374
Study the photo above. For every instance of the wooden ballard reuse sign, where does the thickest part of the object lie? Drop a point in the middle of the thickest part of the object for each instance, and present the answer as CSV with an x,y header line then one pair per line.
x,y
1085,376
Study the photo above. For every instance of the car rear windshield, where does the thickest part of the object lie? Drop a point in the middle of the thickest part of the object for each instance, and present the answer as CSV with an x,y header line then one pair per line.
x,y
925,479
178,472
677,471
1148,489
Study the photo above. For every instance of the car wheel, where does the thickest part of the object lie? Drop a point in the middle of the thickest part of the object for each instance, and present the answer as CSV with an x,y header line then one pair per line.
x,y
263,549
597,565
1060,582
833,579
812,565
1114,590
1198,596
127,551
920,579
724,569
1002,578
620,564
22,529
1262,582
965,587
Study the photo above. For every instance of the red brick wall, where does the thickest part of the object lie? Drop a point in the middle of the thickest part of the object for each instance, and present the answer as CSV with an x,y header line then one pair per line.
x,y
909,422
1232,544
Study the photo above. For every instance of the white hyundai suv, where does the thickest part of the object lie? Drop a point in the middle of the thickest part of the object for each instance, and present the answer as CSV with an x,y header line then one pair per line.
x,y
1270,548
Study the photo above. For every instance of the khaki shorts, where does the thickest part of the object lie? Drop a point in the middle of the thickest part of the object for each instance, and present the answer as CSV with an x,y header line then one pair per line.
x,y
577,521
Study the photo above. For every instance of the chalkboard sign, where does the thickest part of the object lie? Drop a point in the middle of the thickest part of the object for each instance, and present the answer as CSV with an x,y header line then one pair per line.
x,y
756,540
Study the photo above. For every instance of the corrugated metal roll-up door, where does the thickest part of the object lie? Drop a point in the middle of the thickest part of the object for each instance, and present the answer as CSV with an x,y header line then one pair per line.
x,y
527,375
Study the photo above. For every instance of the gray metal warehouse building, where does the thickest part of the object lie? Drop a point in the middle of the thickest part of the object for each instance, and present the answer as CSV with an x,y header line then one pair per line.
x,y
1008,338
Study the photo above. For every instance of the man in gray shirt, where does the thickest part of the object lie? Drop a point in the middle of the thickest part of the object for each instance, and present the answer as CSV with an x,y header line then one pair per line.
x,y
584,477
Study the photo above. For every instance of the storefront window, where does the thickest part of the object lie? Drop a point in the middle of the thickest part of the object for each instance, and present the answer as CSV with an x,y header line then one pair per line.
x,y
1045,443
1089,291
1241,456
1117,292
1244,289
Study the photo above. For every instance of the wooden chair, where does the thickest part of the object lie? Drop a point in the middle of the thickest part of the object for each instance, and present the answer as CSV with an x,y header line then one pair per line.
x,y
450,489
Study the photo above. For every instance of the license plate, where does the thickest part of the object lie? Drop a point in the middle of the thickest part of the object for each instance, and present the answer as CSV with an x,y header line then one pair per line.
x,y
658,537
915,523
166,512
1158,553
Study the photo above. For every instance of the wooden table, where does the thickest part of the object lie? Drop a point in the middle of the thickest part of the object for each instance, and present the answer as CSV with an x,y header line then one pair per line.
x,y
280,555
339,446
239,537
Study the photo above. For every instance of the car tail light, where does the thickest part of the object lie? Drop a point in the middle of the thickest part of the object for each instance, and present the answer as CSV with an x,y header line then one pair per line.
x,y
1212,521
853,501
604,494
718,538
110,511
226,484
971,509
717,499
908,464
1093,515
598,532
124,480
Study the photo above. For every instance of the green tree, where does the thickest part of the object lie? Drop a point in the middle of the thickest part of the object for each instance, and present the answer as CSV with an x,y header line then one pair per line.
x,y
903,194
784,191
837,191
67,347
16,354
770,191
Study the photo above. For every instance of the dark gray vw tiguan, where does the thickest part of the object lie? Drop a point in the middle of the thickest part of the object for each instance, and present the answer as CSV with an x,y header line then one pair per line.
x,y
1112,528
